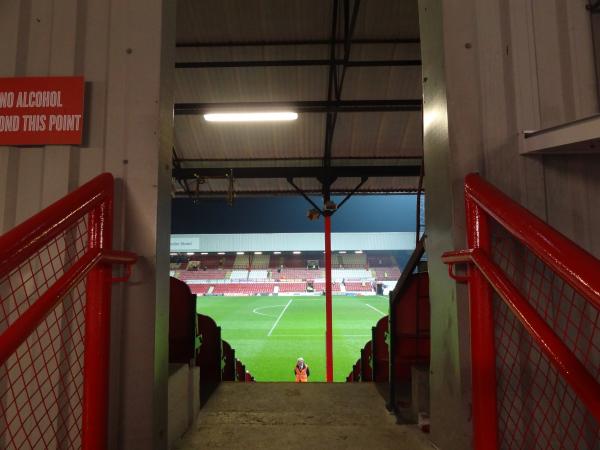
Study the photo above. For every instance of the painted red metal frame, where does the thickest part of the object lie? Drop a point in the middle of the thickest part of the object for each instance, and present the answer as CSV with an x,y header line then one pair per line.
x,y
94,200
572,263
328,303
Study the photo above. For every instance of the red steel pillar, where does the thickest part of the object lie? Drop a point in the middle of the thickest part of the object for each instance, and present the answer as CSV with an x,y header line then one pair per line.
x,y
328,305
97,333
483,353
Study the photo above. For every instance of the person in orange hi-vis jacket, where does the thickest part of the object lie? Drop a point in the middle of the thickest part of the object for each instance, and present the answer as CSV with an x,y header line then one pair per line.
x,y
301,371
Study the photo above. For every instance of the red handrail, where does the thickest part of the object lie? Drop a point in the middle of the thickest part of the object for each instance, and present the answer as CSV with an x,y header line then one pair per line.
x,y
94,201
566,259
579,268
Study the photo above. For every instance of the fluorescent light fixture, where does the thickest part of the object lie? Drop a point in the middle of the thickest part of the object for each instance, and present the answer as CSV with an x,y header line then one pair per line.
x,y
221,253
277,253
258,253
239,253
251,116
358,252
343,252
296,253
190,254
204,253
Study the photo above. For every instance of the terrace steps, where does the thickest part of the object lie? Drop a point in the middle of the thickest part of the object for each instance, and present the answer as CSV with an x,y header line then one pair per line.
x,y
297,417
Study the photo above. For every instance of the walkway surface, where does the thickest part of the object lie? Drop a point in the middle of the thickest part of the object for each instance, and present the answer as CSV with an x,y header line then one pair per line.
x,y
289,416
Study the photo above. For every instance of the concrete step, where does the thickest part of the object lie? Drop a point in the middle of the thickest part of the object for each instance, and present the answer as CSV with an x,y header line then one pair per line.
x,y
291,416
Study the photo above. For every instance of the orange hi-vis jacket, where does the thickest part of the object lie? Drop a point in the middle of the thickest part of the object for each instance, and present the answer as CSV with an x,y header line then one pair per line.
x,y
301,374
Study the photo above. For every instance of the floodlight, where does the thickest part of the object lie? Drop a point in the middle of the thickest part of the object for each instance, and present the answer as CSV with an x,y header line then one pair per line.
x,y
190,253
330,206
251,116
296,253
313,214
239,253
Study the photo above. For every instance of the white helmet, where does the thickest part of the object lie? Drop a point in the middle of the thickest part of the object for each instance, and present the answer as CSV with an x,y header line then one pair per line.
x,y
301,359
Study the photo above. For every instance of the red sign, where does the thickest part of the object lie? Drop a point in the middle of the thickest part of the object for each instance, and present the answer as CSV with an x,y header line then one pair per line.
x,y
41,111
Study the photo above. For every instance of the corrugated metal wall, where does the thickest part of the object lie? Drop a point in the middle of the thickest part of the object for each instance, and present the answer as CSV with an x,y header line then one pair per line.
x,y
491,70
124,49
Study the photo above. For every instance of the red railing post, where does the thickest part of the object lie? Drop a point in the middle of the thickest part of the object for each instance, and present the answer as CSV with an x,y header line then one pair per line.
x,y
483,353
97,332
328,301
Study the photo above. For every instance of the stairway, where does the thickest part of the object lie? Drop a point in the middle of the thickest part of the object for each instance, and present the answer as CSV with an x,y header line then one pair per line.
x,y
298,417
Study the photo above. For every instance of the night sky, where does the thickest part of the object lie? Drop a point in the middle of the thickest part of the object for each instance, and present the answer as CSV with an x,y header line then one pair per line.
x,y
286,214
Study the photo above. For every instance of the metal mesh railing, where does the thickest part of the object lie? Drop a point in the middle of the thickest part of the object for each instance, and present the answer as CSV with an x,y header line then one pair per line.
x,y
41,383
55,277
535,328
537,409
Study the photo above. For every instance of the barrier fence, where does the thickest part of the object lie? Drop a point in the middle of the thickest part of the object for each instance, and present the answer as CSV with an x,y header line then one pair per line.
x,y
535,328
55,289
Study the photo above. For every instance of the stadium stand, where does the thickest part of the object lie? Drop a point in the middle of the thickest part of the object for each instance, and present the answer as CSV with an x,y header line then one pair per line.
x,y
353,260
258,275
199,289
214,357
358,286
210,261
292,287
239,275
241,262
182,327
226,261
378,260
187,275
260,262
352,274
355,270
387,273
400,344
243,288
294,261
320,286
297,274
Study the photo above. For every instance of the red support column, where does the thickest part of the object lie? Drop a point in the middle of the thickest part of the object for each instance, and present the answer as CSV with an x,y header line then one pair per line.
x,y
97,333
483,352
328,305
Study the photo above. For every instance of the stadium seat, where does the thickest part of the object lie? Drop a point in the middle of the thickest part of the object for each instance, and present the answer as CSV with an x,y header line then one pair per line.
x,y
209,356
258,262
366,355
380,351
228,372
358,286
182,326
412,327
292,287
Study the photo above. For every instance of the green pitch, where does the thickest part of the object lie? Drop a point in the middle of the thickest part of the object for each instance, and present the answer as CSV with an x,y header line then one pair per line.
x,y
269,333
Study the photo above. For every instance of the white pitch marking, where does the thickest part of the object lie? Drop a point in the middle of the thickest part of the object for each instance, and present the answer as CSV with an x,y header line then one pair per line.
x,y
256,310
375,309
279,318
322,335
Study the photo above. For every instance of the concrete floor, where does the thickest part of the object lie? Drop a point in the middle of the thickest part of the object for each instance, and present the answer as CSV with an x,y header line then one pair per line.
x,y
288,416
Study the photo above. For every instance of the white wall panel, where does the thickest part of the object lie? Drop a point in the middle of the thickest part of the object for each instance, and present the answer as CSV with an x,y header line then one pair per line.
x,y
124,49
289,242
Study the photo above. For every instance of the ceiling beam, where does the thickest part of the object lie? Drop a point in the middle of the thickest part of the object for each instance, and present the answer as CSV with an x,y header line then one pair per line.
x,y
275,43
296,63
409,170
317,106
336,78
